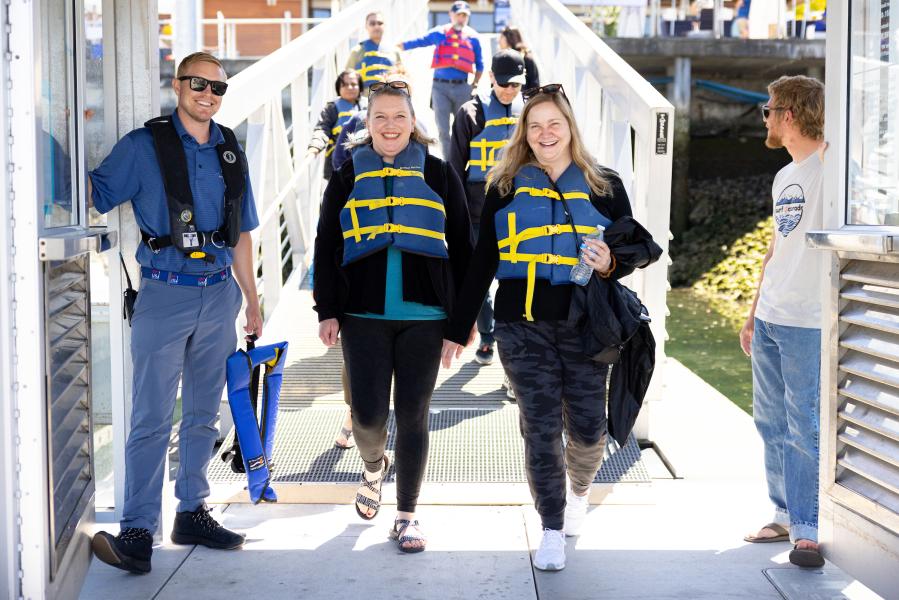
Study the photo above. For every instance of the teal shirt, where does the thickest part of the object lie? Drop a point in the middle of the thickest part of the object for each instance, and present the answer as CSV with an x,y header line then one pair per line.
x,y
395,308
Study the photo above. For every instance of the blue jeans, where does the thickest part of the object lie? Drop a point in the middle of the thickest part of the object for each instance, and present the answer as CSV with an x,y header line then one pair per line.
x,y
786,367
485,317
446,100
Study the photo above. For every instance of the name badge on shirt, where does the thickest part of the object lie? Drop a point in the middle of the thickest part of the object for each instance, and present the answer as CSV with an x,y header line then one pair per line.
x,y
189,239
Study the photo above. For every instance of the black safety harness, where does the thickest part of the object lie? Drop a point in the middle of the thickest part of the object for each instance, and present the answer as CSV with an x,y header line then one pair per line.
x,y
173,164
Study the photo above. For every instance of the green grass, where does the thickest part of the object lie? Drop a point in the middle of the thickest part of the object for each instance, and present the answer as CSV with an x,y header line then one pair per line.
x,y
708,344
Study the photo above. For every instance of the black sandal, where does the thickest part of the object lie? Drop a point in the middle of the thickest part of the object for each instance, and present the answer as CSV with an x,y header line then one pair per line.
x,y
374,486
398,533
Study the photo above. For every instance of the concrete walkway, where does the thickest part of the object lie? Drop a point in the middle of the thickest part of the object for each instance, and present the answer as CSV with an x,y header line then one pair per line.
x,y
676,538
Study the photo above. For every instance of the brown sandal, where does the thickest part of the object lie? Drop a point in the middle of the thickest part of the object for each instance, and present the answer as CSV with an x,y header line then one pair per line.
x,y
783,535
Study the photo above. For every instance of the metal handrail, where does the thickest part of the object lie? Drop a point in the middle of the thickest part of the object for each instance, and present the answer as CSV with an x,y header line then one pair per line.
x,y
626,124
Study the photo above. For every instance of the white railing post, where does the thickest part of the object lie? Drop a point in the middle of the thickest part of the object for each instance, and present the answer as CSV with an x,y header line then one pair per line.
x,y
220,33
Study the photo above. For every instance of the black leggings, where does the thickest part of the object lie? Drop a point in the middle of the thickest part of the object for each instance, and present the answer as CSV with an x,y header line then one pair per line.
x,y
407,353
557,387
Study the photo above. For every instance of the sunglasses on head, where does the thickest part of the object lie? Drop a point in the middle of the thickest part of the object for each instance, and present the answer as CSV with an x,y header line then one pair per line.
x,y
380,86
766,110
549,88
198,84
505,85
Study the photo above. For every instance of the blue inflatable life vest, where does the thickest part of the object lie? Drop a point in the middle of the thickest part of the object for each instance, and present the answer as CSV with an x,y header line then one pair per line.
x,y
373,63
256,438
536,239
345,111
499,122
413,219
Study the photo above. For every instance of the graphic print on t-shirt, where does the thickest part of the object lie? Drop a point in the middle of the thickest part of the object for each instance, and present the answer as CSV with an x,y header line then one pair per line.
x,y
788,209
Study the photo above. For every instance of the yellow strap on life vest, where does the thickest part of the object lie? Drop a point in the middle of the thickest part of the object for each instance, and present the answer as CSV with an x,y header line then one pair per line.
x,y
513,256
548,193
335,131
376,230
390,172
533,260
501,121
488,153
376,203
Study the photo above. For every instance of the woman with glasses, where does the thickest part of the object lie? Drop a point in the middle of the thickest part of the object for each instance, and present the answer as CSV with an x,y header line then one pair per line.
x,y
393,239
334,116
545,192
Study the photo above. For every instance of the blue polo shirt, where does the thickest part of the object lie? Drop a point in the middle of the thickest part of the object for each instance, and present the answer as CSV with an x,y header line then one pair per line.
x,y
131,172
435,37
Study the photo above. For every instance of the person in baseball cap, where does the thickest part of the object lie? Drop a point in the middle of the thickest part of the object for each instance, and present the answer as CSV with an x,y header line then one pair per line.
x,y
482,127
460,7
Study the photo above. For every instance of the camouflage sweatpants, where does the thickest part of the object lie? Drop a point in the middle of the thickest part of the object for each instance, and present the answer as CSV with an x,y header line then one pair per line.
x,y
556,386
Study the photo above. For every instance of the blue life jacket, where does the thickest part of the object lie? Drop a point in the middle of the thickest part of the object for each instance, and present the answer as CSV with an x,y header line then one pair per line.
x,y
345,111
499,122
373,63
535,236
413,219
256,438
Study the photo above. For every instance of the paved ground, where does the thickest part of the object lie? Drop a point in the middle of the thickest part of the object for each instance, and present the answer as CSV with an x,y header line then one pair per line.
x,y
675,538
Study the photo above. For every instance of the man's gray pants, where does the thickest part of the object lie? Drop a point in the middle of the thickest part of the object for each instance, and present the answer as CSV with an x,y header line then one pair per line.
x,y
446,100
185,333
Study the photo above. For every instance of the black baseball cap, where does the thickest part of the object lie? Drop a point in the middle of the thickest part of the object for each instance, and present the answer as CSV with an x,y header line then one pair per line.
x,y
508,67
461,7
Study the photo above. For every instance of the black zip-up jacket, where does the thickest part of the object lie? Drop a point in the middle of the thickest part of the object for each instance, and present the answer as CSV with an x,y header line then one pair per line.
x,y
614,325
551,302
360,286
468,123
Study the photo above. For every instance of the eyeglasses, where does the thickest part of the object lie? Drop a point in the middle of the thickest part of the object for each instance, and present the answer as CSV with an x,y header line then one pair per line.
x,y
375,23
549,88
505,85
198,84
380,86
766,110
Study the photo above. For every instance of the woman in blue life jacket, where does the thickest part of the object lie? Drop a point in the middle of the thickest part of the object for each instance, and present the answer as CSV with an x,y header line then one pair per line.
x,y
334,116
393,238
543,195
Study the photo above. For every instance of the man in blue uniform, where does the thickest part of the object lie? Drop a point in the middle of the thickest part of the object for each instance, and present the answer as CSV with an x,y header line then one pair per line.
x,y
457,53
187,179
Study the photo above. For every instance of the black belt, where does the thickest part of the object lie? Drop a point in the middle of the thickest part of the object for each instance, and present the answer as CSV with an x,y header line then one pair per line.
x,y
216,238
451,80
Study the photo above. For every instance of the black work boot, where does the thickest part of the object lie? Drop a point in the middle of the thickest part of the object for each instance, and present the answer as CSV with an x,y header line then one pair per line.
x,y
199,527
129,551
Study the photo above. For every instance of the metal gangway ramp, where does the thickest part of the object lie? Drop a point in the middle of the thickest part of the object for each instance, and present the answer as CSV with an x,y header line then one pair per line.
x,y
474,427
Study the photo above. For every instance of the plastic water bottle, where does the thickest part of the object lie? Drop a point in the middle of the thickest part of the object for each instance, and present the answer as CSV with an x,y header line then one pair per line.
x,y
581,272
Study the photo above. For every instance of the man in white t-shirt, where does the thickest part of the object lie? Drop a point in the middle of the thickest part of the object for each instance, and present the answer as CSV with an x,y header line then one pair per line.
x,y
783,331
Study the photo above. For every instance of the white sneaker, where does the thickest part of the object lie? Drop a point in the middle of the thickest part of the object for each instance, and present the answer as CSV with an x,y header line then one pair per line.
x,y
575,511
551,554
510,394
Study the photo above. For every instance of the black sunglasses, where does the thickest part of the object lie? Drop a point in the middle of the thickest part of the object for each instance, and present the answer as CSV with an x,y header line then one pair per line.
x,y
380,86
549,88
373,23
505,85
198,84
766,110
